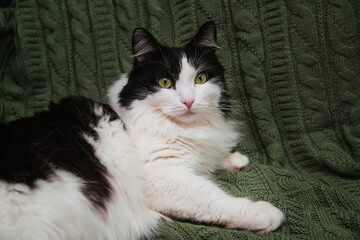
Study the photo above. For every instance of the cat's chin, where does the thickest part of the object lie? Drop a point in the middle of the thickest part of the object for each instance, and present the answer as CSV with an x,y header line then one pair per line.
x,y
187,117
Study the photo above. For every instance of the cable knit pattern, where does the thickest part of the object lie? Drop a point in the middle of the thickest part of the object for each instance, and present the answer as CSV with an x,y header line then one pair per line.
x,y
293,71
345,64
253,87
55,48
31,41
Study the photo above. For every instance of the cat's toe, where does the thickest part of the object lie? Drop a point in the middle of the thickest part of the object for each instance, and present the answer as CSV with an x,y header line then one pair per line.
x,y
236,161
258,216
265,217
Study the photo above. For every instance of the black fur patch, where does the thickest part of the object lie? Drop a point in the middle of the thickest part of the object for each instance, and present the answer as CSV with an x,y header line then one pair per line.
x,y
34,148
143,78
158,61
205,58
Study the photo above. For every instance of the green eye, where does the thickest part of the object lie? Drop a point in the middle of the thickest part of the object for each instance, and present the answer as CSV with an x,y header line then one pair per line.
x,y
165,82
201,78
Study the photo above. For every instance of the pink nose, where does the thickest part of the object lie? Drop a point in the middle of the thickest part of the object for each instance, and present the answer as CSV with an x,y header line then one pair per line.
x,y
188,103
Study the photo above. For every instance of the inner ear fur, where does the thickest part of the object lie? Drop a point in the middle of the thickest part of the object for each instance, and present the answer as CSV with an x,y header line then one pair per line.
x,y
143,43
206,36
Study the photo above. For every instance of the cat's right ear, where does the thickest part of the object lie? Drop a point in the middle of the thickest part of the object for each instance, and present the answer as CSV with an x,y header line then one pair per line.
x,y
143,44
205,37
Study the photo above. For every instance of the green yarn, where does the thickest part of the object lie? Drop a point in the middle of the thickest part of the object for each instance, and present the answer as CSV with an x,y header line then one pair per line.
x,y
293,71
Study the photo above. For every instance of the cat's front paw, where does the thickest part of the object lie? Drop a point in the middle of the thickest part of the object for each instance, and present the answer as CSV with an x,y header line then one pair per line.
x,y
258,216
235,161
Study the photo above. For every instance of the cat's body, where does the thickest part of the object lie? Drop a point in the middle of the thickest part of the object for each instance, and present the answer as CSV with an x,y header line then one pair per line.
x,y
170,132
71,173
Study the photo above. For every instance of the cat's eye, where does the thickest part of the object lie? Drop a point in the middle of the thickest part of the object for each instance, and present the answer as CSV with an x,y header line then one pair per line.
x,y
164,82
201,78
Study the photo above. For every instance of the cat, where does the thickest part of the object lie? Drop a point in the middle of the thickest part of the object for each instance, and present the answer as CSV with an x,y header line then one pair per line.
x,y
89,170
176,107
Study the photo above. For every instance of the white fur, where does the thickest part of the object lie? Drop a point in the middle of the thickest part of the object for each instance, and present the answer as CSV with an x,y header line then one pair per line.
x,y
180,148
168,152
235,161
56,209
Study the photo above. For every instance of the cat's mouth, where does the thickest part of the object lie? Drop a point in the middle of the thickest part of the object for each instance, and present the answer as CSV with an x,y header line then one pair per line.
x,y
188,114
183,116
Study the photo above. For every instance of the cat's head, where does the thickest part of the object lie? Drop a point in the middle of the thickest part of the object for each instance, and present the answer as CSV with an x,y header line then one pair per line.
x,y
182,84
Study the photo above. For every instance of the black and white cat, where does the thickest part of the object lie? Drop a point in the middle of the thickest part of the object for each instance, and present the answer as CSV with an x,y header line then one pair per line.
x,y
85,170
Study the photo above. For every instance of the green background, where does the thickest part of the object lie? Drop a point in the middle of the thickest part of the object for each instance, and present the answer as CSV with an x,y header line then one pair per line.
x,y
292,69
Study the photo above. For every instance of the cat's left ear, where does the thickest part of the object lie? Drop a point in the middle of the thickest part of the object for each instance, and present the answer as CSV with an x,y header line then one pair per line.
x,y
143,43
205,37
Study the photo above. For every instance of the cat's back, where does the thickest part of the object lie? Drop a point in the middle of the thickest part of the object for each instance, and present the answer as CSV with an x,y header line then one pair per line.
x,y
29,146
63,175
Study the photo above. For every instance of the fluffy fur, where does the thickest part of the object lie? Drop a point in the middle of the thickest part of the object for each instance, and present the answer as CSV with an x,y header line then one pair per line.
x,y
180,145
85,170
71,173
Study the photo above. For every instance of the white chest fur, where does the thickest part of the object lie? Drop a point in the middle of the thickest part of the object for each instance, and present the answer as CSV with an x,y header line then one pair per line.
x,y
197,146
201,146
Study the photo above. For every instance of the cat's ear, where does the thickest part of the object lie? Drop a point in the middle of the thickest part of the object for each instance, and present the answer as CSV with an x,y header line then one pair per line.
x,y
206,36
143,43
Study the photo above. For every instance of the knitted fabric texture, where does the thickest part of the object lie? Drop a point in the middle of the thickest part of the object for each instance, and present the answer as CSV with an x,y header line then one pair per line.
x,y
292,68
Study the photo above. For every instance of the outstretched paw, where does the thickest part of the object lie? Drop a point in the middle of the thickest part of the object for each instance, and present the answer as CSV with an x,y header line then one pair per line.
x,y
235,161
267,217
259,216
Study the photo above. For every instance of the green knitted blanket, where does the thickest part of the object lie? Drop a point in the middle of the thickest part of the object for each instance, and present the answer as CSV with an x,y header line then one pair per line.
x,y
293,71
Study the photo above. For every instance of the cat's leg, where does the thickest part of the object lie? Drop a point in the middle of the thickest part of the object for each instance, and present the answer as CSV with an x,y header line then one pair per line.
x,y
235,161
176,191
